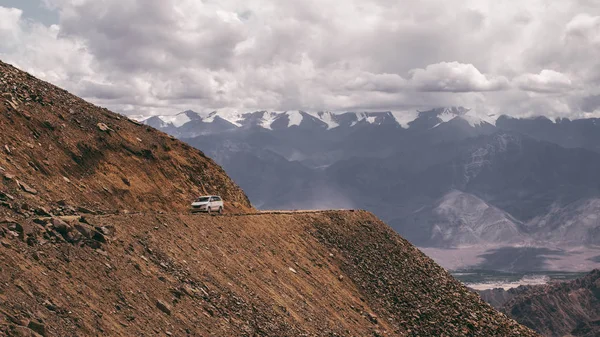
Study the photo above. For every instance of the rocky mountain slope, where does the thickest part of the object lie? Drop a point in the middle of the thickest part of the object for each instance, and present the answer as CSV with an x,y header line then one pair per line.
x,y
57,149
314,274
146,272
561,309
498,297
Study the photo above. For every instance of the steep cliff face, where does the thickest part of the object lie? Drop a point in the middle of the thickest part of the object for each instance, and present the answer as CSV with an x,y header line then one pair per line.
x,y
55,147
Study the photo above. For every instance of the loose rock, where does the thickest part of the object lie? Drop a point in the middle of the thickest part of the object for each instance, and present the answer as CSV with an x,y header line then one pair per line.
x,y
85,210
38,327
6,196
164,307
9,176
42,212
27,188
103,127
85,230
61,226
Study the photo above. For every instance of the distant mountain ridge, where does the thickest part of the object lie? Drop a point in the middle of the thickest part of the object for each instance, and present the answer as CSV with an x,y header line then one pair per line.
x,y
190,123
508,181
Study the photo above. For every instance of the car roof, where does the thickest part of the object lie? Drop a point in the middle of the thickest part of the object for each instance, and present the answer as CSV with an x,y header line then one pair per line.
x,y
208,196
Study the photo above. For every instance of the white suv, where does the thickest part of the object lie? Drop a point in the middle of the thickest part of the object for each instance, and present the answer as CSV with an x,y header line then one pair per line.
x,y
208,203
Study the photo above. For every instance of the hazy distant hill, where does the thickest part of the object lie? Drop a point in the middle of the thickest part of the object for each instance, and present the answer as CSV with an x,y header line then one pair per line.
x,y
560,309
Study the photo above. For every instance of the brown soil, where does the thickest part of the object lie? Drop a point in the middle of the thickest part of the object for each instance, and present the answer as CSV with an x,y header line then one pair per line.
x,y
314,274
63,148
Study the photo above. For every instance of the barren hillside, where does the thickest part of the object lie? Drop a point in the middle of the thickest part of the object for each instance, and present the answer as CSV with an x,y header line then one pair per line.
x,y
568,308
314,274
73,263
55,147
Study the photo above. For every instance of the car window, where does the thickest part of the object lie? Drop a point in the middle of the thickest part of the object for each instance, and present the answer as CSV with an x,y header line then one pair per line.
x,y
217,199
202,199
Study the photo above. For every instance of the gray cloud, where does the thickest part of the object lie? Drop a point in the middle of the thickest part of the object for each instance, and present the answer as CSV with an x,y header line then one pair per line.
x,y
547,81
164,56
103,91
455,77
590,103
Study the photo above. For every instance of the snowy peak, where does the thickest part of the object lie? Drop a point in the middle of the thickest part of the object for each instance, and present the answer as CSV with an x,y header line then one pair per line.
x,y
444,114
272,120
177,120
452,115
191,115
296,119
353,119
262,119
323,120
329,118
475,121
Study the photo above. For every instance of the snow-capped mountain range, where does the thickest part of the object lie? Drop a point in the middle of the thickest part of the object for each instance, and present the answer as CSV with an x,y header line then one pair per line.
x,y
218,121
442,177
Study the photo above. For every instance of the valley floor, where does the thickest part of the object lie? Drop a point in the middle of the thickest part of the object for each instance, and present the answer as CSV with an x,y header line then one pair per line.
x,y
517,259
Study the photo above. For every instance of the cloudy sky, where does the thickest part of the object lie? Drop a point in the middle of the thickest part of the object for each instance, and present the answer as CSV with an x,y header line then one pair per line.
x,y
143,57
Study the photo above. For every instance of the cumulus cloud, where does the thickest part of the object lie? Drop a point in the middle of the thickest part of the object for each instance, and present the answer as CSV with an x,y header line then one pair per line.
x,y
584,26
164,56
10,20
547,81
455,77
39,49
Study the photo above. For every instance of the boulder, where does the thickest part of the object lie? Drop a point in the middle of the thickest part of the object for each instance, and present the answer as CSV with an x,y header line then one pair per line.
x,y
103,127
61,226
85,210
42,212
163,306
16,227
5,244
6,196
38,327
98,236
85,230
74,236
27,188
